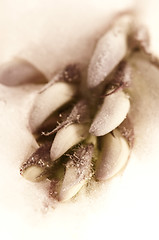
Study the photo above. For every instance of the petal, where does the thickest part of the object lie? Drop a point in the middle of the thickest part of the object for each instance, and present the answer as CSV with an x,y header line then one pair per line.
x,y
49,100
77,172
114,155
111,114
20,71
110,50
66,138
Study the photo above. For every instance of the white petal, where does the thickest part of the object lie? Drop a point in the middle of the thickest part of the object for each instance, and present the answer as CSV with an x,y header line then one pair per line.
x,y
66,138
71,184
114,156
111,114
48,101
110,50
32,173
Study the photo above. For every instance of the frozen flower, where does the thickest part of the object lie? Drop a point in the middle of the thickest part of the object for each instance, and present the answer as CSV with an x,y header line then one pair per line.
x,y
98,108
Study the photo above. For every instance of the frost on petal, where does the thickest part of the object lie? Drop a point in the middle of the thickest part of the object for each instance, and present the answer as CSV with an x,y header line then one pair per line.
x,y
66,138
78,171
110,50
111,114
34,167
71,73
50,100
80,113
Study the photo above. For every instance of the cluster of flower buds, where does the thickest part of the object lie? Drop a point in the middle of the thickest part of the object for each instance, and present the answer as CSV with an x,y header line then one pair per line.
x,y
81,124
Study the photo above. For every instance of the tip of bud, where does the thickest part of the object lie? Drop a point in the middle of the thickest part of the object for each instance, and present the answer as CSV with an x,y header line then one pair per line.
x,y
32,173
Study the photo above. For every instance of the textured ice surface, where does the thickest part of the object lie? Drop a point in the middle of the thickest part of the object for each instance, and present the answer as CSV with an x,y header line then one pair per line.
x,y
125,208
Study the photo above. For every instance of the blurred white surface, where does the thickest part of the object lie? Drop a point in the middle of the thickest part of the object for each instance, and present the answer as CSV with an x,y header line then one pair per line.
x,y
50,34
